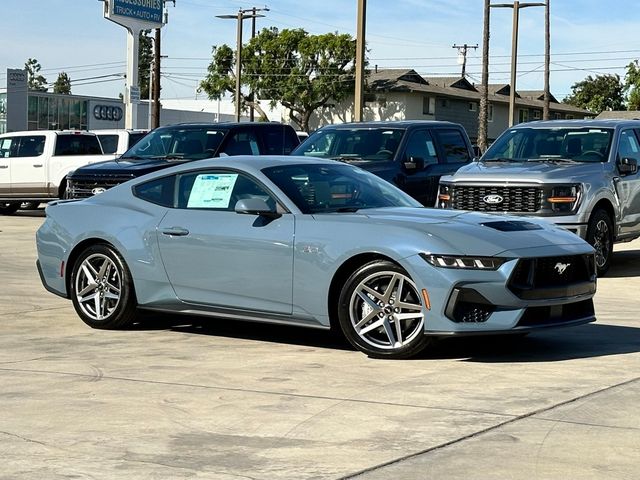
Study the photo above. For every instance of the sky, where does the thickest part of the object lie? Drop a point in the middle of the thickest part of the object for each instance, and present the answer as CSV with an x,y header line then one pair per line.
x,y
588,37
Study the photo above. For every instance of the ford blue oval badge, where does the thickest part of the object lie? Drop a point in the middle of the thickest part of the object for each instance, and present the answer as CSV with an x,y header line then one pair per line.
x,y
492,199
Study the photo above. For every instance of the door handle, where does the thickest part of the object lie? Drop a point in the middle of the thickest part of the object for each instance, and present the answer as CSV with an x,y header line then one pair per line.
x,y
175,232
37,165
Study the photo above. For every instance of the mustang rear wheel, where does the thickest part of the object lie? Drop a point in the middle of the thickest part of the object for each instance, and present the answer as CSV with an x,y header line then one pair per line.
x,y
381,312
101,288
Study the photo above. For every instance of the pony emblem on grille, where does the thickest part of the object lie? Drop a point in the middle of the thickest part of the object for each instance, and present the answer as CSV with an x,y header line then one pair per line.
x,y
561,267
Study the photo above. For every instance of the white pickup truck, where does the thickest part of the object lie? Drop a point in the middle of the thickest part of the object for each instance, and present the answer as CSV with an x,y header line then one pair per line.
x,y
34,164
117,141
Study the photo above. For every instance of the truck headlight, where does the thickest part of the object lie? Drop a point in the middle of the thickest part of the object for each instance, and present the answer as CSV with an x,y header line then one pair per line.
x,y
564,198
444,196
464,262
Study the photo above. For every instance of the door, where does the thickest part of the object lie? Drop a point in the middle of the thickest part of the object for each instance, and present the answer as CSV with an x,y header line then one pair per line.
x,y
8,148
418,162
29,167
214,256
628,186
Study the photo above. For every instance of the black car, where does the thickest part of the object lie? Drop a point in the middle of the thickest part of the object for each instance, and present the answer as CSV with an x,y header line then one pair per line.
x,y
165,146
412,154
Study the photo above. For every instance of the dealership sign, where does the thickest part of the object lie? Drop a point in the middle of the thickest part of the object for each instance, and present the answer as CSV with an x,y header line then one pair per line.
x,y
135,14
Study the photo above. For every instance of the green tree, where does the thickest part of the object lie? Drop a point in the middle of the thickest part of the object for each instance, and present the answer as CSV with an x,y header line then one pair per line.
x,y
145,57
302,72
632,85
35,81
62,84
604,92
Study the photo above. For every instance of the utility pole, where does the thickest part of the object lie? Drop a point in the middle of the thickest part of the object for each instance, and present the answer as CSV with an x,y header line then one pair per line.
x,y
155,86
483,113
254,10
462,52
514,51
239,17
360,49
547,62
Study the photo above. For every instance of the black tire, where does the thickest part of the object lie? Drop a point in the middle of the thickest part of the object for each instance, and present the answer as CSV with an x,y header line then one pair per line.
x,y
107,270
9,208
600,237
29,205
353,311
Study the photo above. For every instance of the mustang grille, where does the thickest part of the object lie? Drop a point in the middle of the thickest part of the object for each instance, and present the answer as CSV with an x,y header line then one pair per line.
x,y
514,199
84,187
557,314
552,277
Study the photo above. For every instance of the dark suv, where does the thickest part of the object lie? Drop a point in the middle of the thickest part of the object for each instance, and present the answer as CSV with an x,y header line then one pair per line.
x,y
412,154
165,146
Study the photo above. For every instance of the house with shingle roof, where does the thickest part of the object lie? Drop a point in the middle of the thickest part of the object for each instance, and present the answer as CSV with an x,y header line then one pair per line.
x,y
403,94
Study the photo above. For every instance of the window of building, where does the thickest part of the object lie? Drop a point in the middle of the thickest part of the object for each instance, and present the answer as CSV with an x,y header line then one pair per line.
x,y
537,114
43,113
490,113
570,117
428,105
523,115
444,103
557,116
472,106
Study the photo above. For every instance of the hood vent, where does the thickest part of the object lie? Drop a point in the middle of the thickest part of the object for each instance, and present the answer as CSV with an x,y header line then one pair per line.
x,y
512,225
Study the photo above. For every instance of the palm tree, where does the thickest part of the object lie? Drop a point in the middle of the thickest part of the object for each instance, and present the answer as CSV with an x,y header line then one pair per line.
x,y
483,113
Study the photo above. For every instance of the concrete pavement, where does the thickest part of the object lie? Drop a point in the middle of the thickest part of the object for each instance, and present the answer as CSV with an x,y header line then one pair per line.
x,y
186,398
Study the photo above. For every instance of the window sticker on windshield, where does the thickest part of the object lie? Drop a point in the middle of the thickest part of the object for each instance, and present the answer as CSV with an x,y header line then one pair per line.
x,y
431,148
212,191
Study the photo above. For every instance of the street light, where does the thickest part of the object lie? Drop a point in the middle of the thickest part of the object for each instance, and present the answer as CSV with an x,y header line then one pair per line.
x,y
239,17
514,50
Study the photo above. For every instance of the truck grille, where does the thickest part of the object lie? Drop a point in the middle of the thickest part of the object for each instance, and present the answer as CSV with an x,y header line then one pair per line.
x,y
86,187
553,277
514,199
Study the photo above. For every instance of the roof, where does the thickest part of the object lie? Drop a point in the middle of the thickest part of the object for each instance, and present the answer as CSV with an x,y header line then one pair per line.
x,y
388,124
451,82
536,95
593,123
619,114
396,81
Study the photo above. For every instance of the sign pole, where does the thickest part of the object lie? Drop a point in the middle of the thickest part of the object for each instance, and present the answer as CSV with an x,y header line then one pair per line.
x,y
132,90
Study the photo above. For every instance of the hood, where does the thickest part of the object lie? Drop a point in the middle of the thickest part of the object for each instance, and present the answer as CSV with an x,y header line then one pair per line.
x,y
122,166
469,233
524,172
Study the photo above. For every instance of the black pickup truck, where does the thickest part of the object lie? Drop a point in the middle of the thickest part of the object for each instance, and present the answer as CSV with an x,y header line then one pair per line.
x,y
166,146
411,154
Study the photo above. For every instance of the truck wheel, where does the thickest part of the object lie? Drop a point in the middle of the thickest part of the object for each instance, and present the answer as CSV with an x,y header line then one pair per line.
x,y
600,237
9,208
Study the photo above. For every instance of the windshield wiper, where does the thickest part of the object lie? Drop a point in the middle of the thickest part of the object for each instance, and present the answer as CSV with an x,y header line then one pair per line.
x,y
133,157
347,158
172,156
551,159
502,159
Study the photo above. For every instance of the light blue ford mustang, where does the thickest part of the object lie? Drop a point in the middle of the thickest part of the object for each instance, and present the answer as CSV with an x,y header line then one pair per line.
x,y
310,242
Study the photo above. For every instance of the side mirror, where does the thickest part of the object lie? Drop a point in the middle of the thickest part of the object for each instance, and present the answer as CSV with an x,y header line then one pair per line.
x,y
414,163
255,206
628,166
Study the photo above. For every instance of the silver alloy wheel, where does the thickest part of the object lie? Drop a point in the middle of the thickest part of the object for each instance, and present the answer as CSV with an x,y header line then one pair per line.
x,y
602,243
98,285
386,311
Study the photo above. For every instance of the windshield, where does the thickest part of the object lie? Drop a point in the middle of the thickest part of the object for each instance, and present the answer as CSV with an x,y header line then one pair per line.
x,y
189,143
317,188
548,144
368,144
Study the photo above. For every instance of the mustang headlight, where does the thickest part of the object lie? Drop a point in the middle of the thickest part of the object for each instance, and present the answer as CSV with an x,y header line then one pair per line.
x,y
469,263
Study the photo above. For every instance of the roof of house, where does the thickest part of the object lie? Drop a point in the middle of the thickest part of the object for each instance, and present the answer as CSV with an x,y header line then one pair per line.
x,y
619,114
536,95
408,80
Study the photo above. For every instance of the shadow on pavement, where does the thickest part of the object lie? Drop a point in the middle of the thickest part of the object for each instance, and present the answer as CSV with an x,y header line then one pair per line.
x,y
625,263
593,340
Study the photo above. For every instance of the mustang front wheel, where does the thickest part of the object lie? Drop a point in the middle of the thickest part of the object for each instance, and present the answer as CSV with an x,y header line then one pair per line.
x,y
381,312
101,288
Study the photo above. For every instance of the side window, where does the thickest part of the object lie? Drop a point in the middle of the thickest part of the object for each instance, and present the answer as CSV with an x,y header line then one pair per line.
x,y
273,140
628,146
159,191
453,145
218,190
134,138
9,147
31,146
77,145
420,145
242,143
109,143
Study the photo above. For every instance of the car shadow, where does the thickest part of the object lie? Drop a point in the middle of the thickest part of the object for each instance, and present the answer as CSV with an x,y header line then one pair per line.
x,y
625,263
593,340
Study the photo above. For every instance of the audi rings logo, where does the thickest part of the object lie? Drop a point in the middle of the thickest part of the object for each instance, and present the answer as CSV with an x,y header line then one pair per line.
x,y
107,112
492,199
